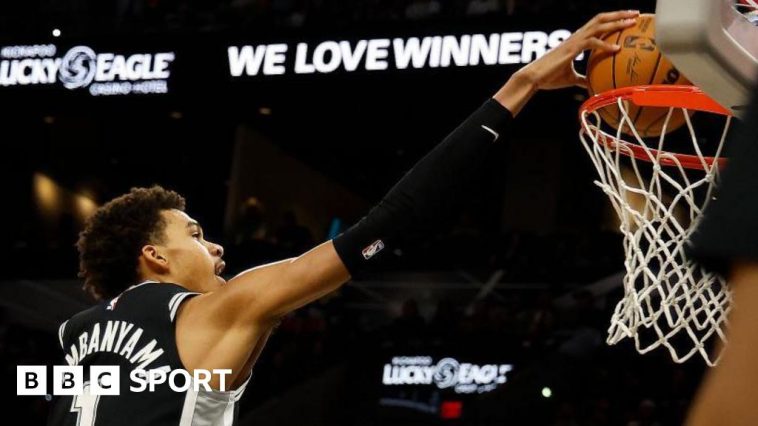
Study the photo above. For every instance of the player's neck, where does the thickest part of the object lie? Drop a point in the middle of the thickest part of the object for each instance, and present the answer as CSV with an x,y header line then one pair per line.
x,y
159,278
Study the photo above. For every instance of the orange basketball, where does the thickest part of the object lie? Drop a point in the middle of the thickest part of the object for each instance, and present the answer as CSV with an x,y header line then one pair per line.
x,y
639,62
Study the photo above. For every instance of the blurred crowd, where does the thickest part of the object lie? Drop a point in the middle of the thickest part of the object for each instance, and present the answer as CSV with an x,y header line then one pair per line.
x,y
469,243
87,16
592,384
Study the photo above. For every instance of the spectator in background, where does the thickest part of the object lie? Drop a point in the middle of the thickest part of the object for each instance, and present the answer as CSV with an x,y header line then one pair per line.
x,y
510,7
483,7
290,13
292,237
251,223
446,319
565,415
7,367
422,9
541,321
410,326
249,238
587,322
129,10
646,414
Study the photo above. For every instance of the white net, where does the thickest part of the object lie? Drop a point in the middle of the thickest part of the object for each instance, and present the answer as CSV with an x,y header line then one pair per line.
x,y
659,196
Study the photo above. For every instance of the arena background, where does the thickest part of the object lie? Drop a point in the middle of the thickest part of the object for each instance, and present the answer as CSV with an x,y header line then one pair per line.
x,y
515,295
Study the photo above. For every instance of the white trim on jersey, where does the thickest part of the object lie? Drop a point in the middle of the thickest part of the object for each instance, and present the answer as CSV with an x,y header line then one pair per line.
x,y
173,300
211,408
61,330
188,410
138,285
176,301
229,414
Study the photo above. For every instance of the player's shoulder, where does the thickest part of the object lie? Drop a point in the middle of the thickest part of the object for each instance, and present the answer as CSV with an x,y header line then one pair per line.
x,y
152,298
73,325
153,289
83,316
149,298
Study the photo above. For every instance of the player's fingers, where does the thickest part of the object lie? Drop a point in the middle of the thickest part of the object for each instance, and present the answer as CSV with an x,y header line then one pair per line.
x,y
596,43
611,27
617,15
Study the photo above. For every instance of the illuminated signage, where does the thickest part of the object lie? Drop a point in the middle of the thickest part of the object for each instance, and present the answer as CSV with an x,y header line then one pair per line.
x,y
80,67
392,54
447,373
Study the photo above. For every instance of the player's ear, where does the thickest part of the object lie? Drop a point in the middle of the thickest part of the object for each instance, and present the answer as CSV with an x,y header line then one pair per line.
x,y
154,257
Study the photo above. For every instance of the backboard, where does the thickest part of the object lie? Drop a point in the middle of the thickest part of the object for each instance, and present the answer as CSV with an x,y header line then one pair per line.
x,y
714,44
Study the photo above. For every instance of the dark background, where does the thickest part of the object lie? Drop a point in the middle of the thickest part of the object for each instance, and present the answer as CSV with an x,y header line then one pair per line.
x,y
310,154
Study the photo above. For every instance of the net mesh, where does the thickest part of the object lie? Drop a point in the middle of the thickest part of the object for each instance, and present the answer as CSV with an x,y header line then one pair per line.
x,y
669,301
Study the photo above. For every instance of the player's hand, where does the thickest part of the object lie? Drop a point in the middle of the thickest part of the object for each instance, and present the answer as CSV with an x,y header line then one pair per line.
x,y
555,69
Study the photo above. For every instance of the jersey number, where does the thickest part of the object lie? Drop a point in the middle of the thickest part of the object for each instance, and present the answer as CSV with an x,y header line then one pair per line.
x,y
85,406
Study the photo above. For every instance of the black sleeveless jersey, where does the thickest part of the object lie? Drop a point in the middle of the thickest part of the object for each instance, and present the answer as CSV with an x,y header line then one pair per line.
x,y
136,331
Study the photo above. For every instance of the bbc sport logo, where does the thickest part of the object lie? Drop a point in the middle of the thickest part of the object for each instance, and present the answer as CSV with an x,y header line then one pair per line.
x,y
106,380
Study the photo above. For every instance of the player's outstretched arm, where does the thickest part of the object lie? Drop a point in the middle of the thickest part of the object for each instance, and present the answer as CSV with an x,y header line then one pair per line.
x,y
434,187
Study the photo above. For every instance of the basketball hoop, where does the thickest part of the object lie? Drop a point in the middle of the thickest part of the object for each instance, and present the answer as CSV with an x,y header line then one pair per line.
x,y
669,300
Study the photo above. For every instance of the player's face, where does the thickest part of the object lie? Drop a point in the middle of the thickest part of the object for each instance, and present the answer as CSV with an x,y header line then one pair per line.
x,y
193,261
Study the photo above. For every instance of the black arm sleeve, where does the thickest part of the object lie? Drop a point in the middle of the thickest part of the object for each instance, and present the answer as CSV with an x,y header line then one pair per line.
x,y
729,227
434,187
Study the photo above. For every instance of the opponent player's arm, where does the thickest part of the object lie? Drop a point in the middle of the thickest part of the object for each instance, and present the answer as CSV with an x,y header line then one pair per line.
x,y
727,396
726,241
436,185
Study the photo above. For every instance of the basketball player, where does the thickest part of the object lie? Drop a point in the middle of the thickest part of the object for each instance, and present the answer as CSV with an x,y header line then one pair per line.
x,y
165,305
727,241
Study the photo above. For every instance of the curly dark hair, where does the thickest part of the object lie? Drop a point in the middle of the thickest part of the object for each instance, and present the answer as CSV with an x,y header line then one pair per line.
x,y
110,244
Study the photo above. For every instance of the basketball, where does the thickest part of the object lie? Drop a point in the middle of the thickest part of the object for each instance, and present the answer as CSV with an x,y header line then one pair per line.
x,y
639,62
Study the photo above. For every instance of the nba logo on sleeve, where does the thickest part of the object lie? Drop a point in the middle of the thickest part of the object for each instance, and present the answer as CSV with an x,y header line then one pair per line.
x,y
372,249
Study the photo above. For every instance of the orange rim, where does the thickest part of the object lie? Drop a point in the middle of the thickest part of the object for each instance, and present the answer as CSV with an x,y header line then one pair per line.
x,y
666,96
